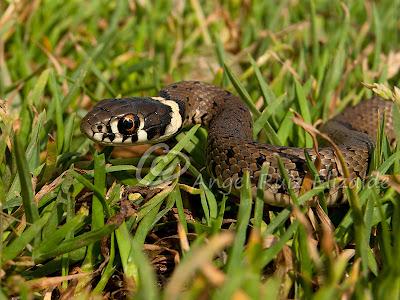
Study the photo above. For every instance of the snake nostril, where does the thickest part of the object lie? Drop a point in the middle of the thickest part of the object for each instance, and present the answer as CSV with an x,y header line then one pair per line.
x,y
99,128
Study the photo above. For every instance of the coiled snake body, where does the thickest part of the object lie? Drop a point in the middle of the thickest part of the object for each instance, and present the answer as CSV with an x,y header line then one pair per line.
x,y
231,149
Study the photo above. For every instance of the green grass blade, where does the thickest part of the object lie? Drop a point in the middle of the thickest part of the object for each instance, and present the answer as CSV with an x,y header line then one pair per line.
x,y
243,219
19,244
31,210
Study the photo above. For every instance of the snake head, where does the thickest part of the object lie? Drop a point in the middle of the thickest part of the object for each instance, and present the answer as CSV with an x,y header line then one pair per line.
x,y
132,121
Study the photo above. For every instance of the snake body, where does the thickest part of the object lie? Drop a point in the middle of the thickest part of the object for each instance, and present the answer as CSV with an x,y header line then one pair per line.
x,y
230,146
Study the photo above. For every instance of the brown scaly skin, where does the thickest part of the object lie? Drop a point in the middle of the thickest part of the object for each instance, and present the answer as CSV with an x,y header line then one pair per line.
x,y
231,150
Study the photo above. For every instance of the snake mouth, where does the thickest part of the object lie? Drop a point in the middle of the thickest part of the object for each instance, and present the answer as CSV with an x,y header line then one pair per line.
x,y
97,132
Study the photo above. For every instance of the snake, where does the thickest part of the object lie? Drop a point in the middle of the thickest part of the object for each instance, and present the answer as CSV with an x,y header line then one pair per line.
x,y
230,149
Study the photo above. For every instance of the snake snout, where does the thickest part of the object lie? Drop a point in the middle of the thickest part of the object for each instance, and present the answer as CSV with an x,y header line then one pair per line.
x,y
86,128
93,128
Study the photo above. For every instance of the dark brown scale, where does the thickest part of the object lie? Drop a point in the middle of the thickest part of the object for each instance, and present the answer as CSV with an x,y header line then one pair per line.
x,y
231,150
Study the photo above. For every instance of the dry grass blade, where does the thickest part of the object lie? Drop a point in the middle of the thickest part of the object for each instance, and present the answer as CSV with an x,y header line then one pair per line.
x,y
194,261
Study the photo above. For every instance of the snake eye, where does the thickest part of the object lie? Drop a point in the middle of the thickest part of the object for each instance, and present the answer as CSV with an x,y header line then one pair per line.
x,y
128,124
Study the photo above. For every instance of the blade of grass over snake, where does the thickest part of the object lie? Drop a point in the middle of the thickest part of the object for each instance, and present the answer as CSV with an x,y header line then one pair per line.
x,y
285,176
176,194
154,202
285,213
156,170
242,91
316,180
259,201
260,123
272,136
235,254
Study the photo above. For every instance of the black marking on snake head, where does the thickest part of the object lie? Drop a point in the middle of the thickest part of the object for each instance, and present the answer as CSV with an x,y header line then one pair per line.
x,y
152,132
181,108
134,138
108,126
111,136
163,128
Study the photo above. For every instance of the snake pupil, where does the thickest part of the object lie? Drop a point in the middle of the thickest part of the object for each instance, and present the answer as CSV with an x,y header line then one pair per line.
x,y
126,125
